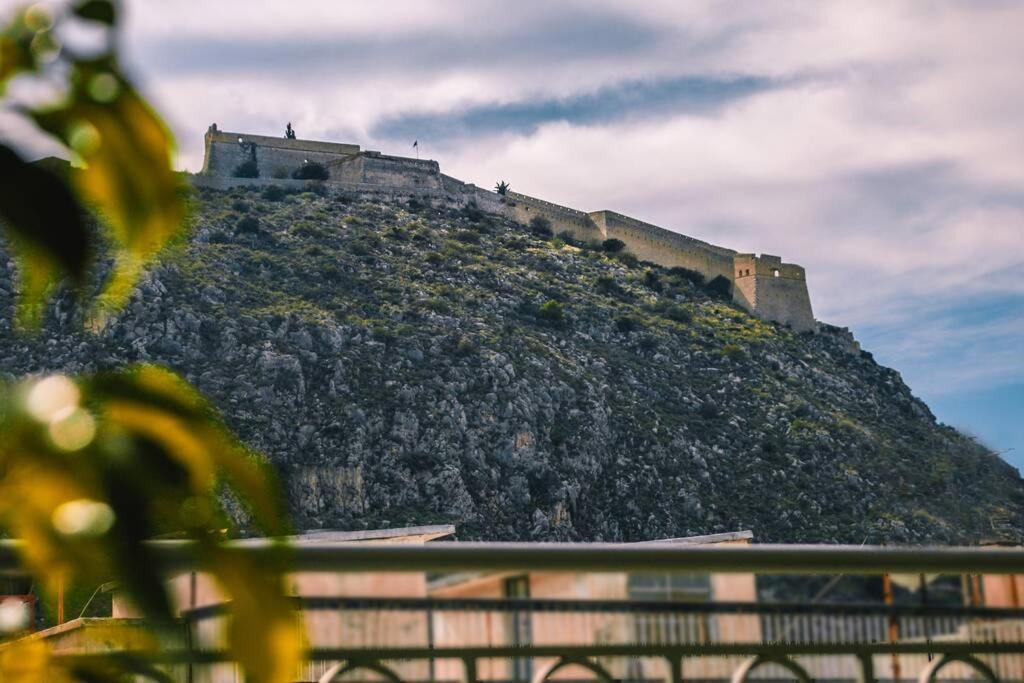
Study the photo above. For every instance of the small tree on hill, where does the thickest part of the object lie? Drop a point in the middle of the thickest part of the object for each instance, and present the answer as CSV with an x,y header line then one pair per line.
x,y
613,245
502,188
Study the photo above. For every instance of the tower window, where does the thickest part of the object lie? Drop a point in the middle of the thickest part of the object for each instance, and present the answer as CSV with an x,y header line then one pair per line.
x,y
775,272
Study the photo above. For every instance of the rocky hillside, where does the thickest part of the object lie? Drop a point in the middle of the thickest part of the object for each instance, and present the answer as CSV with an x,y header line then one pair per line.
x,y
402,364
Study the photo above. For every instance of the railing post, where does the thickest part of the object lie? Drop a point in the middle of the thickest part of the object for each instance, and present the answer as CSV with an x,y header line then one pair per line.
x,y
469,668
675,668
867,668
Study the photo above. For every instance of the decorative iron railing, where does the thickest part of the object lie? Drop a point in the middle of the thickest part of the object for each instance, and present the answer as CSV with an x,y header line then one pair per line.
x,y
434,638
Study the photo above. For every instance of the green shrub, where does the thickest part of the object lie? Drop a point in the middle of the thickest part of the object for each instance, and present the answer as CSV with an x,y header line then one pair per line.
x,y
433,258
559,434
247,169
652,280
464,346
273,193
316,188
468,236
734,352
541,226
612,245
437,305
708,410
687,274
240,206
627,323
247,225
607,284
678,314
382,334
648,343
720,286
551,312
627,259
311,170
279,173
472,212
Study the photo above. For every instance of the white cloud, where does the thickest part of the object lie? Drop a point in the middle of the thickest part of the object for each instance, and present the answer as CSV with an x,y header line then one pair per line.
x,y
887,160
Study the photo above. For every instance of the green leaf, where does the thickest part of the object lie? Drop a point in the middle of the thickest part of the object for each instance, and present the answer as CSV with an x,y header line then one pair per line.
x,y
97,10
51,237
126,150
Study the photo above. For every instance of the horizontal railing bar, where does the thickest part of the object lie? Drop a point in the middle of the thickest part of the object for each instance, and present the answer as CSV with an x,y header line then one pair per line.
x,y
598,557
510,651
314,603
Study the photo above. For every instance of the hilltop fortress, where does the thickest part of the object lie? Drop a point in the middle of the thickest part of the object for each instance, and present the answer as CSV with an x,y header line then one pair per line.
x,y
763,285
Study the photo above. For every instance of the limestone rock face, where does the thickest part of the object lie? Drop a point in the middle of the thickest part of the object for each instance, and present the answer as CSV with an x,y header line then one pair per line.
x,y
401,364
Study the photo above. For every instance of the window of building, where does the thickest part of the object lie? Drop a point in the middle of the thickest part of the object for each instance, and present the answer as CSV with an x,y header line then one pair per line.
x,y
775,272
665,627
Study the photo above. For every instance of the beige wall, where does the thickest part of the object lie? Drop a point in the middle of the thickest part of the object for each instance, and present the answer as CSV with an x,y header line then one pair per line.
x,y
773,290
664,247
523,208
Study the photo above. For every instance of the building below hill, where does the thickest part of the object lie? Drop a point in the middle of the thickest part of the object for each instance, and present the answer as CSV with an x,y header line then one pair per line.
x,y
763,285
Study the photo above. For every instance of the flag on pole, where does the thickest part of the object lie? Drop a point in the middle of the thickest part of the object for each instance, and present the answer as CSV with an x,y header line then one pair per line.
x,y
415,143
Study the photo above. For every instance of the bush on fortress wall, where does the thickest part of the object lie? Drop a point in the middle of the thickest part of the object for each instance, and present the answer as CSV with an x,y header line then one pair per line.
x,y
247,169
311,171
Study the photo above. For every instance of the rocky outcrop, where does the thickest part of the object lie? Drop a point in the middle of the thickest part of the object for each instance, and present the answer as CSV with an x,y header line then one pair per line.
x,y
404,365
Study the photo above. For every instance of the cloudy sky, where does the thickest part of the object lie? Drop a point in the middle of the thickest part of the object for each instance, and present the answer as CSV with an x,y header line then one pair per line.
x,y
879,144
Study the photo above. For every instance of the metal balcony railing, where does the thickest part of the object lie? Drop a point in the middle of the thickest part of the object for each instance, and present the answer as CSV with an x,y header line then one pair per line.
x,y
444,638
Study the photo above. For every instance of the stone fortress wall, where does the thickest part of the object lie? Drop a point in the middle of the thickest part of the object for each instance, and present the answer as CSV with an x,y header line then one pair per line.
x,y
763,285
664,247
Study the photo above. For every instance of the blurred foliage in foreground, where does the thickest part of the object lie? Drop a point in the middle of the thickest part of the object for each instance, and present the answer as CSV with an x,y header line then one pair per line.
x,y
92,468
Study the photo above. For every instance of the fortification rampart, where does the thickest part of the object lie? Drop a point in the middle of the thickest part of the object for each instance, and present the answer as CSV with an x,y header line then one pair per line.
x,y
763,285
525,208
664,247
774,290
273,156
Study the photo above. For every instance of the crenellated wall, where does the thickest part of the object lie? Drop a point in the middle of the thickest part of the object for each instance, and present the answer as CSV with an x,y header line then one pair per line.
x,y
664,247
524,208
275,157
763,285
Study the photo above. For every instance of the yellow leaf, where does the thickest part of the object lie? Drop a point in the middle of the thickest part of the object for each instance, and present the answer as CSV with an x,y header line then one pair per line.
x,y
266,635
127,151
